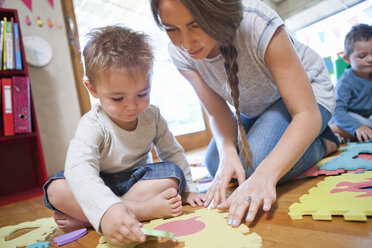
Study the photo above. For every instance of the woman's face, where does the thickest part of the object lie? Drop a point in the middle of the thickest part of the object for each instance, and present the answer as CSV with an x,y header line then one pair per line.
x,y
184,32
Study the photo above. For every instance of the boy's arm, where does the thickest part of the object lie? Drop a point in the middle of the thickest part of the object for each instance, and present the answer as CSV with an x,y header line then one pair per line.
x,y
168,149
82,173
341,116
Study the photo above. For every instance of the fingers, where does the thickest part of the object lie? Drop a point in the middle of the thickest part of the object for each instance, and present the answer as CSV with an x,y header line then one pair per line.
x,y
267,204
245,207
253,208
237,211
222,193
131,233
213,195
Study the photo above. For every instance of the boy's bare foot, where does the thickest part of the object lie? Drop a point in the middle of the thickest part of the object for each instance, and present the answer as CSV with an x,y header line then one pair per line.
x,y
166,204
67,223
331,147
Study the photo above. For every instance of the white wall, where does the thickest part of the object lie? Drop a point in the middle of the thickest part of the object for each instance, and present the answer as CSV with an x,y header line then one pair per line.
x,y
53,86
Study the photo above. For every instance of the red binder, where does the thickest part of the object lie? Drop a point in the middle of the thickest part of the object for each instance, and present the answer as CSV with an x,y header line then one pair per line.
x,y
8,121
21,105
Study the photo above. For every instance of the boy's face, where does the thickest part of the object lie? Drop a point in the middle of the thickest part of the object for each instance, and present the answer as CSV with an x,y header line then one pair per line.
x,y
123,97
360,59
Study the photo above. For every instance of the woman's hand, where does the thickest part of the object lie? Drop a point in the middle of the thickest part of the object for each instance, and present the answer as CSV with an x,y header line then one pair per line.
x,y
364,133
245,201
227,169
193,198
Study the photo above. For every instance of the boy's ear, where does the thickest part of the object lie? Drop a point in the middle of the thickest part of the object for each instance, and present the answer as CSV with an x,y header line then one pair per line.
x,y
90,88
346,59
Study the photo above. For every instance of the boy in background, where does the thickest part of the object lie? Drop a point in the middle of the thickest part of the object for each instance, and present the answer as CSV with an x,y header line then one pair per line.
x,y
110,180
352,119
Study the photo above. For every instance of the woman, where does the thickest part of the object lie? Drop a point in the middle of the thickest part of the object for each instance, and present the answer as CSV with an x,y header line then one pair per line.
x,y
283,97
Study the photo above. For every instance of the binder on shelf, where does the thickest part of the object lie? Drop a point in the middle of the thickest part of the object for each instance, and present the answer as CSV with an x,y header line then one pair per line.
x,y
21,105
4,40
1,110
17,48
8,118
9,45
1,43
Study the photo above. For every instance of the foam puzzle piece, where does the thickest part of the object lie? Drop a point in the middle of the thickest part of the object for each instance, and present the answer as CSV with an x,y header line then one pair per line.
x,y
200,229
104,243
203,229
346,195
44,227
349,159
157,233
69,237
42,244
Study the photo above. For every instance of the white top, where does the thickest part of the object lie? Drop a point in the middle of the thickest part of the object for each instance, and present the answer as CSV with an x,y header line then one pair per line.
x,y
257,87
100,145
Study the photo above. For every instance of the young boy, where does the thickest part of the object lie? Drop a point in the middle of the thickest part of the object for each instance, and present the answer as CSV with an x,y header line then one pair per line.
x,y
352,118
110,180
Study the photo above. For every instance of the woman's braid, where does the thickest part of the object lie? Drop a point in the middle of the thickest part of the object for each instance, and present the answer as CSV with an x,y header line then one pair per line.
x,y
231,67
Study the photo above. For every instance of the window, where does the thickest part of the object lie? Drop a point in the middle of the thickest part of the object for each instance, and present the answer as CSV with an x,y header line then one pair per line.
x,y
170,91
327,36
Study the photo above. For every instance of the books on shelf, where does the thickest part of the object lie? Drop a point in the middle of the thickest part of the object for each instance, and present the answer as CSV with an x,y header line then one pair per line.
x,y
16,105
10,49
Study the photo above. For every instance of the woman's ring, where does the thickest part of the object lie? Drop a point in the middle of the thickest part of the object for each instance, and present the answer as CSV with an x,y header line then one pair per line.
x,y
248,199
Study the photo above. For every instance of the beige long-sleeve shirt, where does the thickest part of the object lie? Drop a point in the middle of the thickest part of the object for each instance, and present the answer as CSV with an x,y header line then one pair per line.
x,y
100,145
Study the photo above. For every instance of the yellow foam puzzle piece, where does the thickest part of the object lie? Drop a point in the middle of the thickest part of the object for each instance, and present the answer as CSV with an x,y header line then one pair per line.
x,y
215,234
44,227
333,197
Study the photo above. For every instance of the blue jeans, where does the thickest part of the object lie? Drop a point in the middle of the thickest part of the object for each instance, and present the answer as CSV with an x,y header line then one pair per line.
x,y
263,133
122,181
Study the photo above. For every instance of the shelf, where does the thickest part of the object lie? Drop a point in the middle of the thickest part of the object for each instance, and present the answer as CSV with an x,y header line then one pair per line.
x,y
21,195
17,137
11,73
22,163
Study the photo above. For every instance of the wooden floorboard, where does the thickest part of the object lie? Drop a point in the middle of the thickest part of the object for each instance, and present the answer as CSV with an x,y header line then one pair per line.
x,y
276,228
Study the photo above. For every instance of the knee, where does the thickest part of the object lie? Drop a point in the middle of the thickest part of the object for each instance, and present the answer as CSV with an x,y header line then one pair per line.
x,y
57,191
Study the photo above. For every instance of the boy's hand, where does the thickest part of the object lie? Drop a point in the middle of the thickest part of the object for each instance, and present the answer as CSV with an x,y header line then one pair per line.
x,y
193,198
364,133
120,225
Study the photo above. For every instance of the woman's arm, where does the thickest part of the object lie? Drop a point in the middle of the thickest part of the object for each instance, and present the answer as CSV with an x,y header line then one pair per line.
x,y
296,91
224,129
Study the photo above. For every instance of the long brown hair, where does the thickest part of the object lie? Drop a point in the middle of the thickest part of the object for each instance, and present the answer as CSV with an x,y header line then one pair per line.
x,y
220,19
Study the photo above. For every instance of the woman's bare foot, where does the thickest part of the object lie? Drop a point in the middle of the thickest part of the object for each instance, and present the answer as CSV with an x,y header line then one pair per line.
x,y
67,223
166,204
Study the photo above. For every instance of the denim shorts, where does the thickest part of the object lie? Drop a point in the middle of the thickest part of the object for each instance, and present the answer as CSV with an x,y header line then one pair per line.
x,y
122,181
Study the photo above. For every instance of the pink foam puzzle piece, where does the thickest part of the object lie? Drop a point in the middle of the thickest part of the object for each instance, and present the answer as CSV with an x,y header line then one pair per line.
x,y
365,156
71,236
314,171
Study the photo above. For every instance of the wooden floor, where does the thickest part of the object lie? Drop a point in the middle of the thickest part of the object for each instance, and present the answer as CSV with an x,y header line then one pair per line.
x,y
275,228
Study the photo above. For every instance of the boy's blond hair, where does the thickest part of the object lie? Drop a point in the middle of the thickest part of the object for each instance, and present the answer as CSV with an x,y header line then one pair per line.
x,y
116,48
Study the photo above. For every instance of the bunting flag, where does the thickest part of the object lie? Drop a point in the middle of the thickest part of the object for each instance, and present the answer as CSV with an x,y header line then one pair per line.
x,y
353,21
28,3
337,32
329,64
51,2
368,11
321,36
